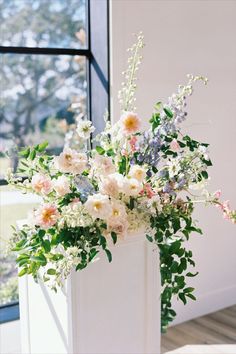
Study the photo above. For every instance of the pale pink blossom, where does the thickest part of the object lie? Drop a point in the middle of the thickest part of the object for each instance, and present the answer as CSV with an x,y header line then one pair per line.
x,y
147,190
119,226
110,185
71,161
103,165
217,194
174,145
41,183
61,185
130,123
132,143
47,215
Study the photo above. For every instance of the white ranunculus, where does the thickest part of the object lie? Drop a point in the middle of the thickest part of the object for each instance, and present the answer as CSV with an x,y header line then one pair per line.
x,y
61,185
130,187
84,129
98,206
137,172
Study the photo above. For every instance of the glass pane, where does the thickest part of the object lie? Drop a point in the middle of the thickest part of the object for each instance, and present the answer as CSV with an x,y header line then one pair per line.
x,y
43,23
38,91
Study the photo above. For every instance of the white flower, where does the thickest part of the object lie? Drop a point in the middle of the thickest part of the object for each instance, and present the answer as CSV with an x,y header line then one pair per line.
x,y
204,151
61,185
75,214
98,206
130,186
71,161
118,211
137,172
117,222
84,129
102,165
110,185
154,204
173,167
137,220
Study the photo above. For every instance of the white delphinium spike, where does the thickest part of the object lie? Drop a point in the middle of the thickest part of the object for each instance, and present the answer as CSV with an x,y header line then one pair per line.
x,y
126,94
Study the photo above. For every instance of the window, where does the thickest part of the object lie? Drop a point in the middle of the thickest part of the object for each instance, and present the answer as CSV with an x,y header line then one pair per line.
x,y
53,56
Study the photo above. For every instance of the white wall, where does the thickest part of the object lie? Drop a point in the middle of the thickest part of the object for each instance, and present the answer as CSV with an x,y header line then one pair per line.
x,y
191,37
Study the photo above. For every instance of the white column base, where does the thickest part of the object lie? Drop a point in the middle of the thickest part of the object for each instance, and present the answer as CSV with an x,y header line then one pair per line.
x,y
108,308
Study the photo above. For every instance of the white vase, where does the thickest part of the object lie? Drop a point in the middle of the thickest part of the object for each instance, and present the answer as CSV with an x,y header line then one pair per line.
x,y
108,308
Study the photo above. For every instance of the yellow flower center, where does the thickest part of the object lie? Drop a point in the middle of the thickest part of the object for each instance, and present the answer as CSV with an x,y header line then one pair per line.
x,y
68,157
97,205
115,212
46,215
130,122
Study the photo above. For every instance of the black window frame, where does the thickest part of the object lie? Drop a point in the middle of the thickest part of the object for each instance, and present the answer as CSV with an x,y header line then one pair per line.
x,y
98,87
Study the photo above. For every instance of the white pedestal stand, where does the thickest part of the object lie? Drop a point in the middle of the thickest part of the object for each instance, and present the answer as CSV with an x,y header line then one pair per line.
x,y
108,308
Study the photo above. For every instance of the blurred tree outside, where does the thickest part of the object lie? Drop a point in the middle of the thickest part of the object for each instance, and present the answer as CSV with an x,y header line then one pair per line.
x,y
37,89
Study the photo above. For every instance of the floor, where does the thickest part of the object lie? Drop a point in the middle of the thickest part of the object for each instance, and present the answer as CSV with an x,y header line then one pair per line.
x,y
214,333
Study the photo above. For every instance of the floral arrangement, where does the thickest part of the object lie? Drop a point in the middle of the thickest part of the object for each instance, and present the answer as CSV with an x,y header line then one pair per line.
x,y
131,180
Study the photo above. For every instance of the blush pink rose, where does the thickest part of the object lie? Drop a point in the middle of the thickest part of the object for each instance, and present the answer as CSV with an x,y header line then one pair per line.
x,y
46,216
130,123
71,161
61,185
41,183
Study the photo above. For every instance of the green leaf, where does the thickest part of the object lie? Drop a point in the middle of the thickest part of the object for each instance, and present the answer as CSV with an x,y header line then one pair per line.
x,y
168,112
204,174
25,152
51,271
19,245
191,296
188,290
109,255
122,165
32,154
189,274
149,238
40,259
46,245
22,262
81,266
41,232
22,272
158,106
110,152
183,298
114,237
92,254
100,150
175,246
41,147
174,267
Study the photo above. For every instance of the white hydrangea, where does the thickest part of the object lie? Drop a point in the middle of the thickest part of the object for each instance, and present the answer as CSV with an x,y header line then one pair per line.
x,y
75,215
